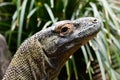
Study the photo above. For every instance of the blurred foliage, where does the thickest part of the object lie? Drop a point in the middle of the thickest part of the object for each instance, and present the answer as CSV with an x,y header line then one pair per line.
x,y
19,19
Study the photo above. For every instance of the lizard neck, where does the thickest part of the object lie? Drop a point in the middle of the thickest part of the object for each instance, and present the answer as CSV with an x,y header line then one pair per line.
x,y
58,61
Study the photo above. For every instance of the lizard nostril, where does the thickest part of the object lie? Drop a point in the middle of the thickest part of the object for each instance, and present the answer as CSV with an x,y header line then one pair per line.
x,y
95,21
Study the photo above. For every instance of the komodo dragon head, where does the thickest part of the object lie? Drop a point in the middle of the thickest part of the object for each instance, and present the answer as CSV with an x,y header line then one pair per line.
x,y
63,38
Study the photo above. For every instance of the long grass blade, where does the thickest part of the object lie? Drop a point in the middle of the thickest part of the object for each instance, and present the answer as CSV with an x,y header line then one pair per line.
x,y
21,21
101,65
50,13
5,4
75,69
87,61
68,70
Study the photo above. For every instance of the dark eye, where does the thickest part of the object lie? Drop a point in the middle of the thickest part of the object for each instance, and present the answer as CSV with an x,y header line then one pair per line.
x,y
64,29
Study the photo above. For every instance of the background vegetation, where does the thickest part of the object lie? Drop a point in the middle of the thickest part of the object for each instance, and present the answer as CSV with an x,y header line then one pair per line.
x,y
19,19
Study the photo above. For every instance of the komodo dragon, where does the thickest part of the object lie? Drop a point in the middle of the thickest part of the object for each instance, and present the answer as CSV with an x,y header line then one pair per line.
x,y
42,56
4,55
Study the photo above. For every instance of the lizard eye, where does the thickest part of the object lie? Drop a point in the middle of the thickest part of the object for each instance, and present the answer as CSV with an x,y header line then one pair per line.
x,y
64,29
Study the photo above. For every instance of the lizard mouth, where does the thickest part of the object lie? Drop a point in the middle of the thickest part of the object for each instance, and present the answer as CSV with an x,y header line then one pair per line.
x,y
85,39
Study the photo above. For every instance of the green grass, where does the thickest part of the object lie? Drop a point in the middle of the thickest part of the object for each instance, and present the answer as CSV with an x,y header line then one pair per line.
x,y
30,16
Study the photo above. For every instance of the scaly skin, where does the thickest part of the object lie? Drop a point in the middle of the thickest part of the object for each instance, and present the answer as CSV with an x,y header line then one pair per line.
x,y
42,56
4,56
